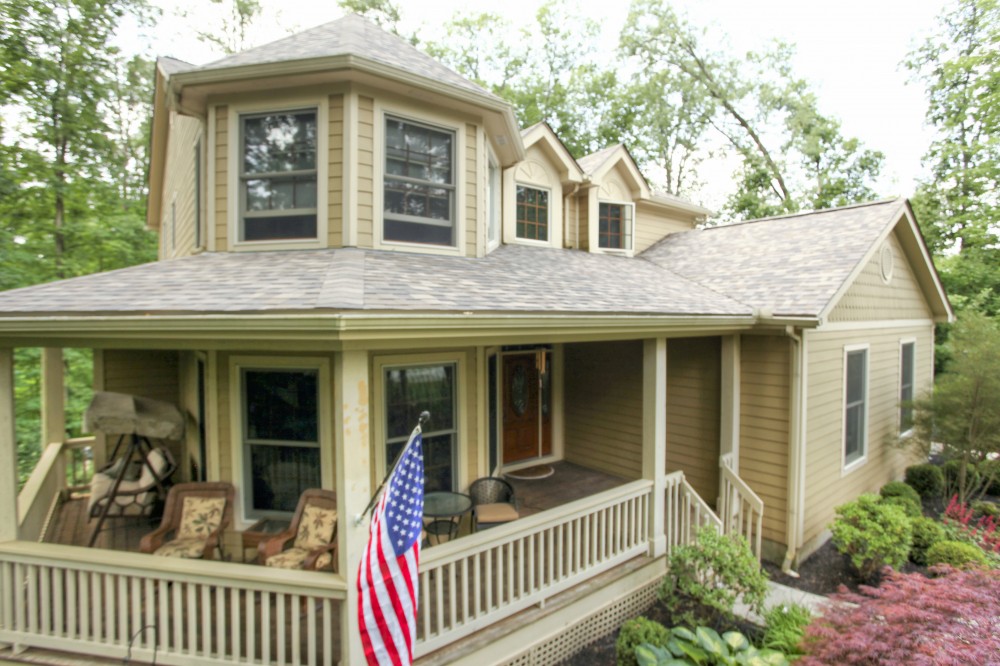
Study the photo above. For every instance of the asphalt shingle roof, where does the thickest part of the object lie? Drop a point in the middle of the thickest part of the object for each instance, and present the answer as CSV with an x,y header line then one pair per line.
x,y
350,35
793,265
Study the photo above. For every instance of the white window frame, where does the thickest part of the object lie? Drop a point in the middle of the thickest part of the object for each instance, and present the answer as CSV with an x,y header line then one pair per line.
x,y
913,385
548,242
494,202
439,122
850,465
631,232
236,112
198,149
237,364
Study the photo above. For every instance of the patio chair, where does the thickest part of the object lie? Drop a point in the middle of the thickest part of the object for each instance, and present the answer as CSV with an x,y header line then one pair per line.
x,y
312,535
136,496
493,502
196,514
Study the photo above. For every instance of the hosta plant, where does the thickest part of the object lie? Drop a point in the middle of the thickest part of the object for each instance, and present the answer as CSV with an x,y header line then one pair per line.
x,y
705,647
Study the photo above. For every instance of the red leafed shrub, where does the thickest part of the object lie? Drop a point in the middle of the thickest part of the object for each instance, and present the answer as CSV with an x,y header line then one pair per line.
x,y
982,532
950,620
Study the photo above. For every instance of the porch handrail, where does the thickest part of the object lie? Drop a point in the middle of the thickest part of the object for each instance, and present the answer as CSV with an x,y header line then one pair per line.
x,y
36,500
685,512
477,580
741,509
102,602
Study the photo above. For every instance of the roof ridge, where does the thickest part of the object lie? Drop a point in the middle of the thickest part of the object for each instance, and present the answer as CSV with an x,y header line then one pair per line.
x,y
803,213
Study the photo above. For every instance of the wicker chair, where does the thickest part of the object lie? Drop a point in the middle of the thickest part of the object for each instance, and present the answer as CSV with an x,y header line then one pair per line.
x,y
197,514
493,502
312,535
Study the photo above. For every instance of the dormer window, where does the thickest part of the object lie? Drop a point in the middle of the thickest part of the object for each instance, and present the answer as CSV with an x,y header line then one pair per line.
x,y
614,226
419,182
278,176
532,222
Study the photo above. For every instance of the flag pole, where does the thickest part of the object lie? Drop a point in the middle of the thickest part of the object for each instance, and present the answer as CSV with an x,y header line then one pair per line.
x,y
423,418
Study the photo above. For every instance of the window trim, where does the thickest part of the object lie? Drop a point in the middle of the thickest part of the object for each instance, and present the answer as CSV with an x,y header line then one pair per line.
x,y
235,113
631,235
494,201
913,385
237,364
849,466
548,242
199,192
440,122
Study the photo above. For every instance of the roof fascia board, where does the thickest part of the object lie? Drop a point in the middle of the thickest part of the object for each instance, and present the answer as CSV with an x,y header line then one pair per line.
x,y
928,263
676,205
541,132
621,155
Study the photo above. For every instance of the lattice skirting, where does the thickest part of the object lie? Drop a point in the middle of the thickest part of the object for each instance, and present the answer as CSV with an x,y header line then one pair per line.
x,y
589,629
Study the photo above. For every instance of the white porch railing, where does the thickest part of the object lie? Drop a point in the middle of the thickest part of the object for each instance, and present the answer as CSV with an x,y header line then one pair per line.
x,y
178,611
686,512
741,509
475,581
62,466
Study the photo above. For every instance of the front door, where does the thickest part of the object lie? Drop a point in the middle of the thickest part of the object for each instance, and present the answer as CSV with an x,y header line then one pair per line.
x,y
526,413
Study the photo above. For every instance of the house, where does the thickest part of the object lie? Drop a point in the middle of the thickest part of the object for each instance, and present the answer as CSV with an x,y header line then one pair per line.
x,y
351,233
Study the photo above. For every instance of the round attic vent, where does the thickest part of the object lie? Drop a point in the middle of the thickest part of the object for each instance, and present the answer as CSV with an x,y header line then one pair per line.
x,y
886,262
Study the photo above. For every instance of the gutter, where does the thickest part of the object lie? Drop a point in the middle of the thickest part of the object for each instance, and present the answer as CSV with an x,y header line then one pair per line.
x,y
795,505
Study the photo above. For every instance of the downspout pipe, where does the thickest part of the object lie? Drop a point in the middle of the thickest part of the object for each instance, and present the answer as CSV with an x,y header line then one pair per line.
x,y
796,453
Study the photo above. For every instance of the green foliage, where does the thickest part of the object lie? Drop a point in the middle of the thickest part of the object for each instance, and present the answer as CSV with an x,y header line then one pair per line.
x,y
985,508
926,479
707,577
873,534
704,646
926,533
954,482
956,554
902,495
784,627
634,633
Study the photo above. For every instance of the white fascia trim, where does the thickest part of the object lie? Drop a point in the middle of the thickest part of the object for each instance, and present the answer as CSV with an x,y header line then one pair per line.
x,y
880,324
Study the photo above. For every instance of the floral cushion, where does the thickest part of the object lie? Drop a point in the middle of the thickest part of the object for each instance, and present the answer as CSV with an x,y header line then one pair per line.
x,y
188,548
316,527
294,558
200,517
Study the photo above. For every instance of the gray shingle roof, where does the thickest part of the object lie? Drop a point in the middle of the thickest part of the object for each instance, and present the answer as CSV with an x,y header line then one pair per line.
x,y
592,162
350,35
793,265
511,279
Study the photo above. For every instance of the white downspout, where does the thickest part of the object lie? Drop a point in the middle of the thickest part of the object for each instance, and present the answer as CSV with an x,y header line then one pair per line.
x,y
796,453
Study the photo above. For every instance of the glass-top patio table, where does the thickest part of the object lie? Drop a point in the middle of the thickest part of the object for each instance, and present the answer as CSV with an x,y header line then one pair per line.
x,y
447,509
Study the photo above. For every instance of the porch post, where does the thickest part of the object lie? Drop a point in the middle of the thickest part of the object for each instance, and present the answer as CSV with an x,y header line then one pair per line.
x,y
352,449
654,436
53,396
8,448
730,427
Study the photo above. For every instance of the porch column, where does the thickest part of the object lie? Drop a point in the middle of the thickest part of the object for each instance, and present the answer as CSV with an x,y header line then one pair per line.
x,y
654,436
352,455
8,448
729,443
53,396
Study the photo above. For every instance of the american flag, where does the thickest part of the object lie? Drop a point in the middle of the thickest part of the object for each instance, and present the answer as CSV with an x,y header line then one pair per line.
x,y
387,578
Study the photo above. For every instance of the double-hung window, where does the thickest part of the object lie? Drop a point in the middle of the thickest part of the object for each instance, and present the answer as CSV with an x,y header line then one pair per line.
x,y
278,176
907,368
855,405
419,184
532,213
614,230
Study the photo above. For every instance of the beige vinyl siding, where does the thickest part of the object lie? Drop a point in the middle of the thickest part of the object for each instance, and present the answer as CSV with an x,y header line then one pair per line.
x,y
652,225
694,384
764,425
221,178
571,239
869,297
583,226
603,406
826,486
335,173
177,220
471,191
366,172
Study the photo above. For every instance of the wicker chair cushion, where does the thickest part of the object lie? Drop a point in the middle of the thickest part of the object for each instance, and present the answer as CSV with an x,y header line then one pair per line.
x,y
191,549
200,517
496,513
294,558
315,527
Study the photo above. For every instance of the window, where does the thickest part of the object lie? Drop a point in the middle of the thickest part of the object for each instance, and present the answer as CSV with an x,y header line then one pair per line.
x,y
532,213
410,390
280,438
614,226
419,182
278,176
906,374
197,194
855,405
493,195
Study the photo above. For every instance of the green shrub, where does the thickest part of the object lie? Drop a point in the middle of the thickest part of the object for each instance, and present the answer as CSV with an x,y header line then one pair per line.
x,y
706,578
926,479
986,509
873,534
910,508
926,533
951,469
634,633
784,627
990,472
957,554
705,647
900,489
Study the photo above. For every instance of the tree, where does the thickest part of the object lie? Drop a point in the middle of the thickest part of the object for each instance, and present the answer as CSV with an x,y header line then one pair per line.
x,y
958,205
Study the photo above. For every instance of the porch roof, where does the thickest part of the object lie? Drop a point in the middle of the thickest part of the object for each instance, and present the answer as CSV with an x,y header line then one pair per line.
x,y
512,279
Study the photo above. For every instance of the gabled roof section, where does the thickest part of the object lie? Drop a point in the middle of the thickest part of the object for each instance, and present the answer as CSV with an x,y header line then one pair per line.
x,y
597,165
797,265
543,134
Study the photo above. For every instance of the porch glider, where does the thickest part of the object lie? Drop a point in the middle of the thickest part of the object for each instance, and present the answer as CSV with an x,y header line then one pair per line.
x,y
122,414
